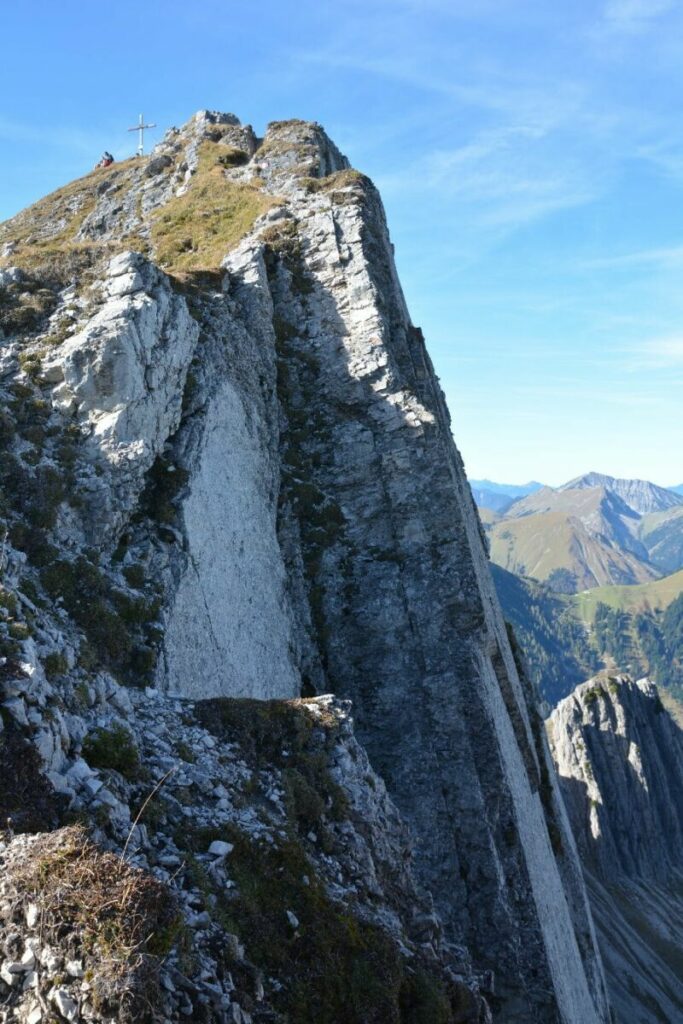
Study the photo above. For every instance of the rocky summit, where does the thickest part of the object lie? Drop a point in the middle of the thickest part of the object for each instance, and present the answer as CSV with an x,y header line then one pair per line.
x,y
619,756
229,488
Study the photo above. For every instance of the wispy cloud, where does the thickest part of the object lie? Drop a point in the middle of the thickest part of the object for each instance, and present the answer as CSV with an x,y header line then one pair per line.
x,y
666,258
500,179
524,151
510,176
632,17
665,155
490,89
663,353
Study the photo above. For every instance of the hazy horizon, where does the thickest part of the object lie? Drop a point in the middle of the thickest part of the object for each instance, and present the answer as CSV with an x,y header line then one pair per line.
x,y
560,483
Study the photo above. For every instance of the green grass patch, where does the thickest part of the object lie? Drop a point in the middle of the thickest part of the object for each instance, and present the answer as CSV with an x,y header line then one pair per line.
x,y
638,597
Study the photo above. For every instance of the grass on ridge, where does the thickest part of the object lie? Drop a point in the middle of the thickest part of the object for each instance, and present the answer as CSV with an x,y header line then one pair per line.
x,y
47,229
658,594
195,231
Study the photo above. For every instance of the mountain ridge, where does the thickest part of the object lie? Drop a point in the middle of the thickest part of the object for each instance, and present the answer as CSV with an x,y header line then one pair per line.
x,y
640,495
229,477
593,531
499,497
509,490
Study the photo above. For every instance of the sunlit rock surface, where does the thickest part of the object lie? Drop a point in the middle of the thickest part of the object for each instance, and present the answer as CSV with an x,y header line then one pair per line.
x,y
231,475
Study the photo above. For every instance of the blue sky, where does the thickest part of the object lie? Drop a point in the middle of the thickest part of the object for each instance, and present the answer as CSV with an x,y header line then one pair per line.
x,y
530,156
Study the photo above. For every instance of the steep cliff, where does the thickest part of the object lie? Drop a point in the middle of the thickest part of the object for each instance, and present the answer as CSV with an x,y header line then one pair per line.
x,y
619,756
228,473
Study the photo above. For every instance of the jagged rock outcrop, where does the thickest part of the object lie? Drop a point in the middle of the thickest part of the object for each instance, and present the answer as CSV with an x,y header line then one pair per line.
x,y
229,473
619,756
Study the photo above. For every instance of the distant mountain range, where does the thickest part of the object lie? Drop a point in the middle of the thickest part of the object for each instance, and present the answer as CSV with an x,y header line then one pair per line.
x,y
590,574
499,497
678,489
594,531
640,495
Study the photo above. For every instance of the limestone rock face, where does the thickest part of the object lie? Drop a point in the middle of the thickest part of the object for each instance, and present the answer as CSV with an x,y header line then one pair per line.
x,y
619,756
121,376
233,476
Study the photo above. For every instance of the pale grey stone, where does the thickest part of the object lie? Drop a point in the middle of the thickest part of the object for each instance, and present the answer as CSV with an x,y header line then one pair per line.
x,y
74,968
324,538
219,848
66,1006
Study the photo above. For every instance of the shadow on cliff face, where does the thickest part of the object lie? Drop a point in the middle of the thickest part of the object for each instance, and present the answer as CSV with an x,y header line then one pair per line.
x,y
397,590
626,812
28,802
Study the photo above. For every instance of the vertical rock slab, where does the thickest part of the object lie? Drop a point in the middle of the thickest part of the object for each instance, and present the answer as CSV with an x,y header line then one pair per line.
x,y
229,628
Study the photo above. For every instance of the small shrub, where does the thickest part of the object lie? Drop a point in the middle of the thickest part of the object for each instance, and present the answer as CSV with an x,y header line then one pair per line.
x,y
33,541
19,631
31,364
190,390
8,600
55,664
185,751
231,156
164,482
112,748
26,796
9,649
304,804
85,593
142,662
82,695
34,434
423,1000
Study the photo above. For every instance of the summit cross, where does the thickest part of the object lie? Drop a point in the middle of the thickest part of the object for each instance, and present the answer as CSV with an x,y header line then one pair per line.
x,y
140,128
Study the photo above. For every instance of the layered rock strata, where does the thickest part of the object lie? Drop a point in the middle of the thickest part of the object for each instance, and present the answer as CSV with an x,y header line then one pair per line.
x,y
230,473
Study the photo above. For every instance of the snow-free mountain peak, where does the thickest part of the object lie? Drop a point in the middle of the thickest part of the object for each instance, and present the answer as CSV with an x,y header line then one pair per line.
x,y
229,487
641,495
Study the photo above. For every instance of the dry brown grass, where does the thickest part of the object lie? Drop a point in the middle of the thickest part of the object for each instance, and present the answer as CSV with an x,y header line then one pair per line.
x,y
338,180
195,231
45,234
190,234
118,919
48,227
